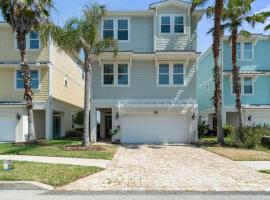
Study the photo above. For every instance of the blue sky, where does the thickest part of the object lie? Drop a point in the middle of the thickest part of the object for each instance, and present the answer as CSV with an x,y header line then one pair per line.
x,y
67,8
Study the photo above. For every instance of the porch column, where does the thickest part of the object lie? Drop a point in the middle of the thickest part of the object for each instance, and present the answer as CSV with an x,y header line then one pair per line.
x,y
102,124
48,123
93,124
224,118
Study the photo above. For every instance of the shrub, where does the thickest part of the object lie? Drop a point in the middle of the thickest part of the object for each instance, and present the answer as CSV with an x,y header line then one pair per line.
x,y
266,141
228,130
79,118
202,129
252,136
73,134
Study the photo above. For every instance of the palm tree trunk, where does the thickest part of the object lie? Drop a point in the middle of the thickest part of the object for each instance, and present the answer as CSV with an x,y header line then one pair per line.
x,y
237,83
217,69
87,68
28,94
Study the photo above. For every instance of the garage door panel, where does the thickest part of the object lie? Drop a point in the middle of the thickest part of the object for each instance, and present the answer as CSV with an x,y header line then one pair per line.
x,y
154,129
8,128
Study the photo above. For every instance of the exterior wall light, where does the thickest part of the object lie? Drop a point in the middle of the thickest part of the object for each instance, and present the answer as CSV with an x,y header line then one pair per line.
x,y
18,116
117,116
155,112
249,118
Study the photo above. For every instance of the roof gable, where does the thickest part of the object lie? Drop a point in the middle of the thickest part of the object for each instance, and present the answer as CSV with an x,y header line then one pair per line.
x,y
178,3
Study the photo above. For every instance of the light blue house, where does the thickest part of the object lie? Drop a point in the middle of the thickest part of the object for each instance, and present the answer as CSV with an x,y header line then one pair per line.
x,y
253,56
147,94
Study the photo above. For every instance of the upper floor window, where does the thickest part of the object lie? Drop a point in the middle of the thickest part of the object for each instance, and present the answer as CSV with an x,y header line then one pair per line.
x,y
171,74
108,28
115,74
32,41
246,85
117,29
34,79
244,50
172,24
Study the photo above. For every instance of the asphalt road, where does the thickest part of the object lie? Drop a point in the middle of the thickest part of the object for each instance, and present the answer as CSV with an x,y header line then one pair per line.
x,y
54,195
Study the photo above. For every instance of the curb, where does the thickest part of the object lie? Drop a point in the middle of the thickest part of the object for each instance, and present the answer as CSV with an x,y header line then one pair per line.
x,y
24,185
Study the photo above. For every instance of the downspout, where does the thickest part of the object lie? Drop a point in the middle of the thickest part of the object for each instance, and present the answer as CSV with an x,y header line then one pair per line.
x,y
50,85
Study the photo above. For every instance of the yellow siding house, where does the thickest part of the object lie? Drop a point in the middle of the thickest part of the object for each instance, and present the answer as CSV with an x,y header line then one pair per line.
x,y
57,82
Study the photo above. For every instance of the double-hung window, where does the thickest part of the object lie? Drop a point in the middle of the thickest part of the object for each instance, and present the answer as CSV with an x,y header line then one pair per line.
x,y
248,85
108,28
108,74
117,29
179,24
248,52
244,50
122,32
171,74
115,74
32,41
165,24
172,24
34,79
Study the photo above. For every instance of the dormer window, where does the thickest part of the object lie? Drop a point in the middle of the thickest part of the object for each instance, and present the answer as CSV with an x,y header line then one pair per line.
x,y
172,24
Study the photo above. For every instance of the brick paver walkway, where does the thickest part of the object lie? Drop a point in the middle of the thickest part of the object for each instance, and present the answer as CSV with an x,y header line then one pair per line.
x,y
172,168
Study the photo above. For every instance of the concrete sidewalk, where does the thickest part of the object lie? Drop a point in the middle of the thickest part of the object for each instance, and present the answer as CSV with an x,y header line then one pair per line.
x,y
58,160
257,165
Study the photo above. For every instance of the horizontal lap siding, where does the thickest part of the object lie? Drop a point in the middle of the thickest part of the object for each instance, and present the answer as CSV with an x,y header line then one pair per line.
x,y
7,87
141,35
9,53
167,42
144,84
65,68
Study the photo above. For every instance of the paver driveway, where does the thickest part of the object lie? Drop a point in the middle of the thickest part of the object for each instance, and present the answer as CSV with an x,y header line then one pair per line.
x,y
172,168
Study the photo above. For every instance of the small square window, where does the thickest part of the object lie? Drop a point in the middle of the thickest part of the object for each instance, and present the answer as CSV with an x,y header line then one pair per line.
x,y
34,79
33,40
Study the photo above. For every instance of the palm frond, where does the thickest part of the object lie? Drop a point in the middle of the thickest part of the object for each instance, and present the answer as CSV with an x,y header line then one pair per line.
x,y
245,34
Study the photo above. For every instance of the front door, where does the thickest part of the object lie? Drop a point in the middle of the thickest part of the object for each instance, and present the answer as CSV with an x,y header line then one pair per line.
x,y
108,126
56,126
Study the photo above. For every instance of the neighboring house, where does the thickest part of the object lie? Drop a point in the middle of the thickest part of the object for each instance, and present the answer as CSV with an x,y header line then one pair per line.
x,y
252,54
147,94
57,84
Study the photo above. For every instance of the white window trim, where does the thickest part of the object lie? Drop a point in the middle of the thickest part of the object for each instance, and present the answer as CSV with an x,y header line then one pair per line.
x,y
172,23
171,64
27,43
115,28
115,74
242,86
21,89
242,43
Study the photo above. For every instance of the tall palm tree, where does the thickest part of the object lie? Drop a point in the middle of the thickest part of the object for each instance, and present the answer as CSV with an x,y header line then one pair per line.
x,y
24,16
217,33
81,34
235,13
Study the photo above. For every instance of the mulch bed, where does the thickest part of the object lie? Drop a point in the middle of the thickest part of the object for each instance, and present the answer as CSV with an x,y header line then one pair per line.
x,y
83,148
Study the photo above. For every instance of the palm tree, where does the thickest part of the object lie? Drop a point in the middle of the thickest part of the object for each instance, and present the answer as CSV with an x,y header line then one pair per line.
x,y
217,32
81,34
235,13
24,16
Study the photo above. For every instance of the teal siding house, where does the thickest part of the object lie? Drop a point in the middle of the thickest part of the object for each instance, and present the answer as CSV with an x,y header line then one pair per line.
x,y
253,56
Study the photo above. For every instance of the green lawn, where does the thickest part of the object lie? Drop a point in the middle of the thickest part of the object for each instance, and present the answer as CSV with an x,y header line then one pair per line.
x,y
233,153
51,174
57,148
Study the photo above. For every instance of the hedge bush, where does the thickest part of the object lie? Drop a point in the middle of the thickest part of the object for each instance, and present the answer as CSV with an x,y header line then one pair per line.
x,y
73,134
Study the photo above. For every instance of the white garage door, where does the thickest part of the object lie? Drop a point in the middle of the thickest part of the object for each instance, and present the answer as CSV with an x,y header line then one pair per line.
x,y
7,127
154,129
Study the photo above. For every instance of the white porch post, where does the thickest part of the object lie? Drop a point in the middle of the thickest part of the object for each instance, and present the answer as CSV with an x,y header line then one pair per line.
x,y
48,123
93,124
102,124
224,120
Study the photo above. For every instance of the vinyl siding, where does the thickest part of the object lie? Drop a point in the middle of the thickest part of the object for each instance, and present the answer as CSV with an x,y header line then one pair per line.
x,y
172,42
65,68
9,93
261,92
8,50
143,84
205,81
